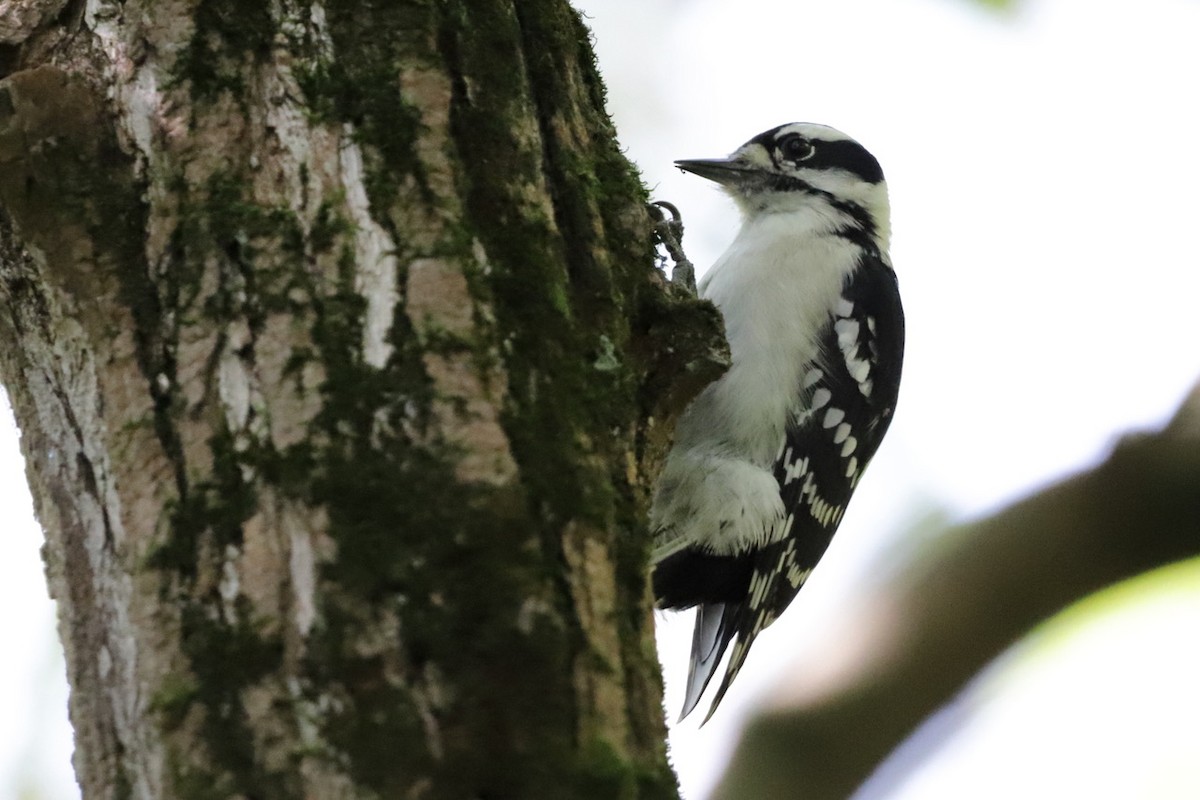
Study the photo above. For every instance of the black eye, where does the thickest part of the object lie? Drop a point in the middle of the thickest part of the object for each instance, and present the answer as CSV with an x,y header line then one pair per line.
x,y
795,147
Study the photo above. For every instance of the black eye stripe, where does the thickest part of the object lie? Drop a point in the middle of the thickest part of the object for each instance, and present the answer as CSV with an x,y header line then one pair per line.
x,y
847,155
841,154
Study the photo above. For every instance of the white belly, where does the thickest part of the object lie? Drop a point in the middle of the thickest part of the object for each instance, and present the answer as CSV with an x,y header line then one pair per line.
x,y
775,287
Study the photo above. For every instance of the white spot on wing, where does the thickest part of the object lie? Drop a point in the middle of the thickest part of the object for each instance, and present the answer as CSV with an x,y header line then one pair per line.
x,y
849,446
841,433
796,576
847,333
852,467
820,398
758,588
794,470
833,417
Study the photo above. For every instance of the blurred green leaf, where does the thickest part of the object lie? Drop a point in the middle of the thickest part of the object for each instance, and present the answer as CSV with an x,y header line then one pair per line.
x,y
999,5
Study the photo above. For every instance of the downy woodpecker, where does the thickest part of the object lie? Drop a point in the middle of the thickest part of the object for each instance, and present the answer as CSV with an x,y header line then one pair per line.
x,y
766,457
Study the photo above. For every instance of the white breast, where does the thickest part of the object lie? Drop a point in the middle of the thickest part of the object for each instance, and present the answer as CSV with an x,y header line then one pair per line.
x,y
775,287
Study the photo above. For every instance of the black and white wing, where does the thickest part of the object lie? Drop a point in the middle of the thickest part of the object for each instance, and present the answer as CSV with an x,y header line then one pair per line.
x,y
848,399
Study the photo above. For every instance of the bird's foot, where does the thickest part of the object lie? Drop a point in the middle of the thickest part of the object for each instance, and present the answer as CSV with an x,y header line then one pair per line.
x,y
668,231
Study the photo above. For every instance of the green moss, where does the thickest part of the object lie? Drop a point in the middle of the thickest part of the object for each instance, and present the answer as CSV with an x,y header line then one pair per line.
x,y
216,224
218,505
562,408
330,227
122,788
453,564
443,556
382,729
227,34
605,772
225,657
259,251
361,85
173,698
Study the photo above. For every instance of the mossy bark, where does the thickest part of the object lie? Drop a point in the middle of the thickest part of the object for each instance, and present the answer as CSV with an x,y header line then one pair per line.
x,y
343,372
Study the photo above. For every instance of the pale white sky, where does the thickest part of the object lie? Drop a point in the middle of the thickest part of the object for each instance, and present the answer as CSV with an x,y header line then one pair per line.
x,y
1042,166
35,738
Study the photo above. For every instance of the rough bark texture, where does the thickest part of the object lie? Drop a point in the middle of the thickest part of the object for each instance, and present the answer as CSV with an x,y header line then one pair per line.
x,y
336,346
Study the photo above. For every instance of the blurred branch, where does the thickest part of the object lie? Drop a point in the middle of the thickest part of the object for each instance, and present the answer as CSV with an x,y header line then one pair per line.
x,y
935,624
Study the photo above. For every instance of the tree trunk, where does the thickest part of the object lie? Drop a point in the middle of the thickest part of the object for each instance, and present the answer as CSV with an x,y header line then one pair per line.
x,y
339,357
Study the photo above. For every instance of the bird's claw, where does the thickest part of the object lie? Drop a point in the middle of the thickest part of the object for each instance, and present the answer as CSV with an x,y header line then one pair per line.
x,y
669,233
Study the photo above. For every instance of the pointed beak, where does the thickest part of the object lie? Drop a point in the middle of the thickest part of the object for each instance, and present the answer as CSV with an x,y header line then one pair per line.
x,y
725,171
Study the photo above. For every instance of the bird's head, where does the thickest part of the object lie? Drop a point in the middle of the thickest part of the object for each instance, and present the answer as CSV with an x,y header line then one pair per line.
x,y
801,166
